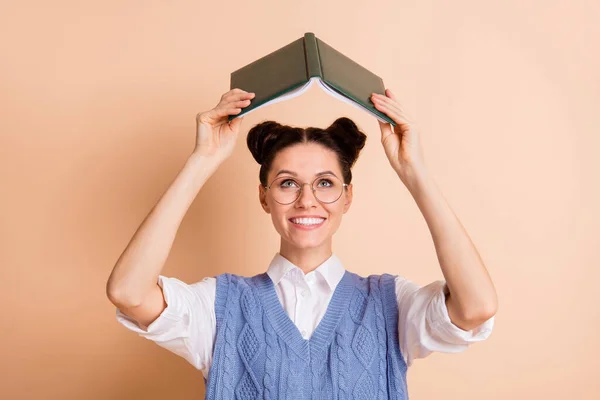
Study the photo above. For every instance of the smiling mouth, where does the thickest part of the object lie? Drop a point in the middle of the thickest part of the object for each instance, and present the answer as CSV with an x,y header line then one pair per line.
x,y
307,222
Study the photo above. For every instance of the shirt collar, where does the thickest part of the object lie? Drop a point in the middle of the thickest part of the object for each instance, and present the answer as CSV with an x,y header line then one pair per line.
x,y
331,270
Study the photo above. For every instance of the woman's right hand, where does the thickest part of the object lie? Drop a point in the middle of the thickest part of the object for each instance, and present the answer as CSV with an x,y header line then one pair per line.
x,y
215,136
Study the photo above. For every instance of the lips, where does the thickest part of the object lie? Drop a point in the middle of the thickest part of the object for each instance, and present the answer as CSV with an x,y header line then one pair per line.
x,y
307,222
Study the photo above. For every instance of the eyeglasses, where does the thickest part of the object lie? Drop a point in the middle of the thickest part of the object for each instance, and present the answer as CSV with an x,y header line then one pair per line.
x,y
326,188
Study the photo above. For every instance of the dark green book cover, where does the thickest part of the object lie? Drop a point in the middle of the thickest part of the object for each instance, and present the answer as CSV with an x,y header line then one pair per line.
x,y
291,70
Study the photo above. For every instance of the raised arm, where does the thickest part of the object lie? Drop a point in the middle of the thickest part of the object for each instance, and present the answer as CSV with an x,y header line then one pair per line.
x,y
133,283
472,297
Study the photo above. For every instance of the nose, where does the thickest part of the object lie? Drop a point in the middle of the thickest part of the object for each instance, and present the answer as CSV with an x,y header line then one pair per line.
x,y
307,197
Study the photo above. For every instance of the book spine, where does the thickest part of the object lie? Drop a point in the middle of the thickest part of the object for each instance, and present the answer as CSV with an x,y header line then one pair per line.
x,y
311,52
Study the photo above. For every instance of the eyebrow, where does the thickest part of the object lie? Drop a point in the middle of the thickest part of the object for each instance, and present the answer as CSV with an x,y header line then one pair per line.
x,y
285,171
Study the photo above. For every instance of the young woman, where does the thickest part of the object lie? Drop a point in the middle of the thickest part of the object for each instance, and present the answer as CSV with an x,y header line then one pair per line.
x,y
306,328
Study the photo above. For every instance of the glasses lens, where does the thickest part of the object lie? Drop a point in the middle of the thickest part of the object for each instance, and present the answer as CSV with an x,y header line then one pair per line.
x,y
285,190
327,189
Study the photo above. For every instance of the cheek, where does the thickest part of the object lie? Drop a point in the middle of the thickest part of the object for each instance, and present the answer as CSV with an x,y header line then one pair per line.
x,y
336,209
278,215
334,213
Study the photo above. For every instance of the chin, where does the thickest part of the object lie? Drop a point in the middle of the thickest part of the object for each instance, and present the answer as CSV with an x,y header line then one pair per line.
x,y
307,243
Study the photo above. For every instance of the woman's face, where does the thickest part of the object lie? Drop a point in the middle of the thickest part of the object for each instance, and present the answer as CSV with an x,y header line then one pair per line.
x,y
303,162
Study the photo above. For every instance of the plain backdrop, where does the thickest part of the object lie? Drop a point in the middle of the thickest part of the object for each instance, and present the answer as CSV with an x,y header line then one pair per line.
x,y
97,116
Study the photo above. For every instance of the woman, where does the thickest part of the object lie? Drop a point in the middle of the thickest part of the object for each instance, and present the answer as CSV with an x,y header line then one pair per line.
x,y
306,328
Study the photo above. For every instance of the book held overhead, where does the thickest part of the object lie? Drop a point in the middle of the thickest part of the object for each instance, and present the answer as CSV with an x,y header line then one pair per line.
x,y
291,70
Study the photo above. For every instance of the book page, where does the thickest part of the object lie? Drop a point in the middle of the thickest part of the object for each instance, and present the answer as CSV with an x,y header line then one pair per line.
x,y
300,90
289,95
343,98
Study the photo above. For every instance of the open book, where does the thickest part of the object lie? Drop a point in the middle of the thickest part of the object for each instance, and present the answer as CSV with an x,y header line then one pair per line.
x,y
291,70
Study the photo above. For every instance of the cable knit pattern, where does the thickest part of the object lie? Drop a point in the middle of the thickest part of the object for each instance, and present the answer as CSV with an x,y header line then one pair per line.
x,y
294,380
229,357
318,376
358,304
246,388
271,363
364,389
342,364
260,354
363,345
380,326
249,304
397,365
248,345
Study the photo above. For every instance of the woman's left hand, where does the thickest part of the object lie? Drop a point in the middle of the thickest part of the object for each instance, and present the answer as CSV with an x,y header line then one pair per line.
x,y
401,143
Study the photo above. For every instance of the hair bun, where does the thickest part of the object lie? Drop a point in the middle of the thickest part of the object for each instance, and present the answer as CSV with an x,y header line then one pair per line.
x,y
348,137
261,139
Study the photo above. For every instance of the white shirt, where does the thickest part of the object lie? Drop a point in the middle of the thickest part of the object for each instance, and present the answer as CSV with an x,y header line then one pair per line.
x,y
187,326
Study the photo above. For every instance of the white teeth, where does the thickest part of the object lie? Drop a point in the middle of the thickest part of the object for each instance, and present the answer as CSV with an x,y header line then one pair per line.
x,y
307,221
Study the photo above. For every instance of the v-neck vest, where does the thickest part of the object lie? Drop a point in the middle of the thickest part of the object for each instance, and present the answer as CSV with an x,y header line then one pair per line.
x,y
353,353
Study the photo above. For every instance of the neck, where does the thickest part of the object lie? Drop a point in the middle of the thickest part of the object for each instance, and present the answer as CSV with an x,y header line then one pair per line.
x,y
307,259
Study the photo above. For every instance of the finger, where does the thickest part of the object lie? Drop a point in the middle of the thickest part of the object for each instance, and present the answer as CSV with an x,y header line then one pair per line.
x,y
391,103
237,101
238,90
240,103
221,112
233,111
231,108
237,94
234,91
397,117
386,129
235,124
243,95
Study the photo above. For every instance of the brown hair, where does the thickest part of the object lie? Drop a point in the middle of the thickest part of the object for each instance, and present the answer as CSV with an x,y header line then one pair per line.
x,y
343,137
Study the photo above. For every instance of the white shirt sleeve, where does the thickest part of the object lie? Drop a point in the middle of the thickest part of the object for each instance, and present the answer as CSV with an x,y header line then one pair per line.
x,y
424,325
187,326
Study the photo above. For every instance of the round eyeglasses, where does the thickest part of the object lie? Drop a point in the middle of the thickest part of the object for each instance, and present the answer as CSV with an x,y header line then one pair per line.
x,y
326,188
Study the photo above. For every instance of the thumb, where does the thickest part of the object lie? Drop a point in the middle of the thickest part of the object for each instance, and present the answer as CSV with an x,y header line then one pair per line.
x,y
386,130
235,124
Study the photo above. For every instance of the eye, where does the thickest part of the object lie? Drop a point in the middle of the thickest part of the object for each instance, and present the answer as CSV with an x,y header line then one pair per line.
x,y
288,183
325,183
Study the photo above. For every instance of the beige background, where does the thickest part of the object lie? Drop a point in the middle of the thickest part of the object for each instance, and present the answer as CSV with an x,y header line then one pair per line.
x,y
97,104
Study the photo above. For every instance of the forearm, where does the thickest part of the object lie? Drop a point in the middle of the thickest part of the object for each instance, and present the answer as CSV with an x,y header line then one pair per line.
x,y
472,297
137,269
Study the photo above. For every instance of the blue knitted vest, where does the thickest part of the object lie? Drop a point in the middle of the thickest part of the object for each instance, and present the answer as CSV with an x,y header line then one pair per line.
x,y
353,354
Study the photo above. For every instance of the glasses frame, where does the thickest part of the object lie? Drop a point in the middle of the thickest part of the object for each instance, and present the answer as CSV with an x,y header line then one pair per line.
x,y
344,185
